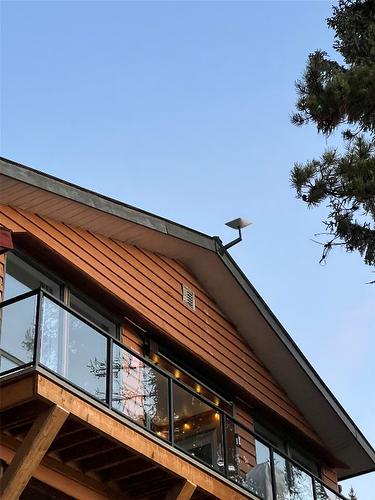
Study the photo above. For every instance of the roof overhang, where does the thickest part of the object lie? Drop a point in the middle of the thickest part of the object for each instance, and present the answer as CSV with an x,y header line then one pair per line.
x,y
204,255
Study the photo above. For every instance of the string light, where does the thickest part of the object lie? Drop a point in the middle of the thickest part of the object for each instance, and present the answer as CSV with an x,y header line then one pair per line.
x,y
177,374
198,388
217,416
187,427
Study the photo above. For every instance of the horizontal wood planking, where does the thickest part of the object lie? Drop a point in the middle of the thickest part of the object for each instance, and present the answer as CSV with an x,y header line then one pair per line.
x,y
152,285
131,338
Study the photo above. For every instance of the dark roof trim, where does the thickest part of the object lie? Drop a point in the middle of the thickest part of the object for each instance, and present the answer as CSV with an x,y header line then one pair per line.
x,y
103,203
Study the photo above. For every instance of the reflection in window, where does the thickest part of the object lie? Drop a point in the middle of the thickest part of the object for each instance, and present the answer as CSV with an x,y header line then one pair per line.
x,y
73,349
258,480
288,447
20,278
291,482
92,314
139,392
253,475
323,493
17,329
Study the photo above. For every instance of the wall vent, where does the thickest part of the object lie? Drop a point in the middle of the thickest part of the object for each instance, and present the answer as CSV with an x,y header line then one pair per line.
x,y
188,297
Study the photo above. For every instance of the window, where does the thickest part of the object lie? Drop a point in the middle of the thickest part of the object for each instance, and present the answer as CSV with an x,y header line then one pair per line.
x,y
288,446
92,314
304,459
21,277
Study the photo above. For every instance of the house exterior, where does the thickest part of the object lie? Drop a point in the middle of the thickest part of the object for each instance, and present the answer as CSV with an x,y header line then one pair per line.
x,y
137,361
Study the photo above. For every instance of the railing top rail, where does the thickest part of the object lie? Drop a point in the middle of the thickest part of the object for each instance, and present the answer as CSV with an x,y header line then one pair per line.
x,y
18,298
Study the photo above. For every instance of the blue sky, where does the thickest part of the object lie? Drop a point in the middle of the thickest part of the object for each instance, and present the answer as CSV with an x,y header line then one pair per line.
x,y
182,109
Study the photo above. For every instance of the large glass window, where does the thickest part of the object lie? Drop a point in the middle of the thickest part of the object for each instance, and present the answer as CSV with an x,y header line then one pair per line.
x,y
291,482
21,277
92,314
289,448
197,421
197,428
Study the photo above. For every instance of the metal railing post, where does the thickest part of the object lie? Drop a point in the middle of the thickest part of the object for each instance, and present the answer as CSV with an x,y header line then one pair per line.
x,y
38,330
109,372
225,443
273,477
314,488
170,411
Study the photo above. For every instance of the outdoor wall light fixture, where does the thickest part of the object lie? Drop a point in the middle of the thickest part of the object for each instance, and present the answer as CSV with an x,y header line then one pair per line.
x,y
236,224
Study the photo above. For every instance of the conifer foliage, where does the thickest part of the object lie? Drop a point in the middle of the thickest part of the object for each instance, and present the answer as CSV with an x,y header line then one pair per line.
x,y
341,96
352,495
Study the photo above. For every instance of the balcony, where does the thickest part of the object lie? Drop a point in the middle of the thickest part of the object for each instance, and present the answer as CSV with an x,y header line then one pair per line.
x,y
41,336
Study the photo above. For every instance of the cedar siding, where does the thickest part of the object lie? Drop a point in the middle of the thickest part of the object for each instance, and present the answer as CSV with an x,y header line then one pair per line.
x,y
151,285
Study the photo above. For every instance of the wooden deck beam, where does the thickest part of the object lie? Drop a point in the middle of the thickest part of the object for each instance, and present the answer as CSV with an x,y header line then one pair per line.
x,y
182,492
30,453
136,441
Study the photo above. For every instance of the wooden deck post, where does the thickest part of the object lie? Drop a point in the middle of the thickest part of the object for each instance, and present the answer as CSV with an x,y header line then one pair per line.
x,y
31,451
182,492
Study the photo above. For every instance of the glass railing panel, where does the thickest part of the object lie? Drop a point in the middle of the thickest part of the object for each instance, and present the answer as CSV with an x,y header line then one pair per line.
x,y
248,461
73,349
140,392
292,483
197,428
17,331
259,479
323,493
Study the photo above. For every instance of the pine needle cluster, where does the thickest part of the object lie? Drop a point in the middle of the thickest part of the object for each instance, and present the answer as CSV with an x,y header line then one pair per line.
x,y
341,96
